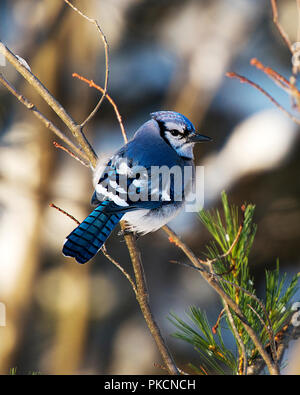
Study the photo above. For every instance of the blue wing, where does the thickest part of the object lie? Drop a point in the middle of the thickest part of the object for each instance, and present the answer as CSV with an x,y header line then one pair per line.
x,y
128,181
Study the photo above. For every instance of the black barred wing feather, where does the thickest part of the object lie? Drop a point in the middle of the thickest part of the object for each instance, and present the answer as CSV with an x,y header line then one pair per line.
x,y
132,186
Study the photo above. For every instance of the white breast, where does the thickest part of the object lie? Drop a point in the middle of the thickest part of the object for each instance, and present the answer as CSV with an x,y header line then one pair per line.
x,y
145,221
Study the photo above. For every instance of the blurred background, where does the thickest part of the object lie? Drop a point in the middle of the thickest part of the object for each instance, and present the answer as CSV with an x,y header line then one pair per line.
x,y
65,318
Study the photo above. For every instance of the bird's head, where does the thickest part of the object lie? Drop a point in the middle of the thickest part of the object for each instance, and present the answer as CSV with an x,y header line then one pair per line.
x,y
178,132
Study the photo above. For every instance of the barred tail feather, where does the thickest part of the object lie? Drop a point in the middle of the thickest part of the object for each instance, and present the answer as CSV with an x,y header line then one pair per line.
x,y
87,239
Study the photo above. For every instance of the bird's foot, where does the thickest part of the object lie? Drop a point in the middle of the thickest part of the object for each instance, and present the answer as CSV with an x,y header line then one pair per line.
x,y
127,232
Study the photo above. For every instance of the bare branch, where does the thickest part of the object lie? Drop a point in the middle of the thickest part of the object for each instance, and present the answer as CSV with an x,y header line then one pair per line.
x,y
105,253
103,249
282,32
57,145
276,77
22,99
143,299
65,213
75,129
243,80
92,84
104,92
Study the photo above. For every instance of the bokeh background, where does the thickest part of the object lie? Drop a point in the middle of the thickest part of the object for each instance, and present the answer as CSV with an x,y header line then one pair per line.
x,y
65,318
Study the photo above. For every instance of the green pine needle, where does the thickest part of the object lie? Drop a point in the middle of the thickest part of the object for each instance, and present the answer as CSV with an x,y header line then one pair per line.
x,y
224,227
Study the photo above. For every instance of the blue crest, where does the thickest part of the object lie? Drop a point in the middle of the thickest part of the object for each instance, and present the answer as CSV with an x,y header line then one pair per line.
x,y
172,116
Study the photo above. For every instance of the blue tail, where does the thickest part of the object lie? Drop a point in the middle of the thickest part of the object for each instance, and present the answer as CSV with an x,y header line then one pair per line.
x,y
87,239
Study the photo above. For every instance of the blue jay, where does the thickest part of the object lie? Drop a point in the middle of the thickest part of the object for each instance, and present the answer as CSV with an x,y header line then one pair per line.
x,y
126,189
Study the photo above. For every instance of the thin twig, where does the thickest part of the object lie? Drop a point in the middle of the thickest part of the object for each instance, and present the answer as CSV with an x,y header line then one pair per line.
x,y
22,99
127,275
269,330
279,80
75,129
276,77
228,252
57,145
94,21
103,249
238,338
282,32
64,212
215,327
243,79
182,372
92,84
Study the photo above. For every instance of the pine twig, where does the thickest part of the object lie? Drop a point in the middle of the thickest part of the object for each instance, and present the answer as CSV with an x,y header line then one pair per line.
x,y
211,279
228,252
238,338
269,331
215,327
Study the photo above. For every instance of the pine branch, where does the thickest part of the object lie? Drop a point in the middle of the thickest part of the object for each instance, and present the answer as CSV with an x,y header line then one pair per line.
x,y
255,325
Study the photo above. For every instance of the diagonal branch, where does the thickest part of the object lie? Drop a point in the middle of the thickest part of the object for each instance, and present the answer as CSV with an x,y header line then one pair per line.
x,y
57,145
41,117
243,80
75,129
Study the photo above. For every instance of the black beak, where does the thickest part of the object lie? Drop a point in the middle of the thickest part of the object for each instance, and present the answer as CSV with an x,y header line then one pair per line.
x,y
199,138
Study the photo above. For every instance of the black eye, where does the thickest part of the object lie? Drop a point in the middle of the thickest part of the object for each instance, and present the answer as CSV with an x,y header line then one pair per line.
x,y
174,132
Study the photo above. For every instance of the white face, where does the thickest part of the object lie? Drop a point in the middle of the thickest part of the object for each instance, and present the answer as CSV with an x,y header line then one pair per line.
x,y
177,136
